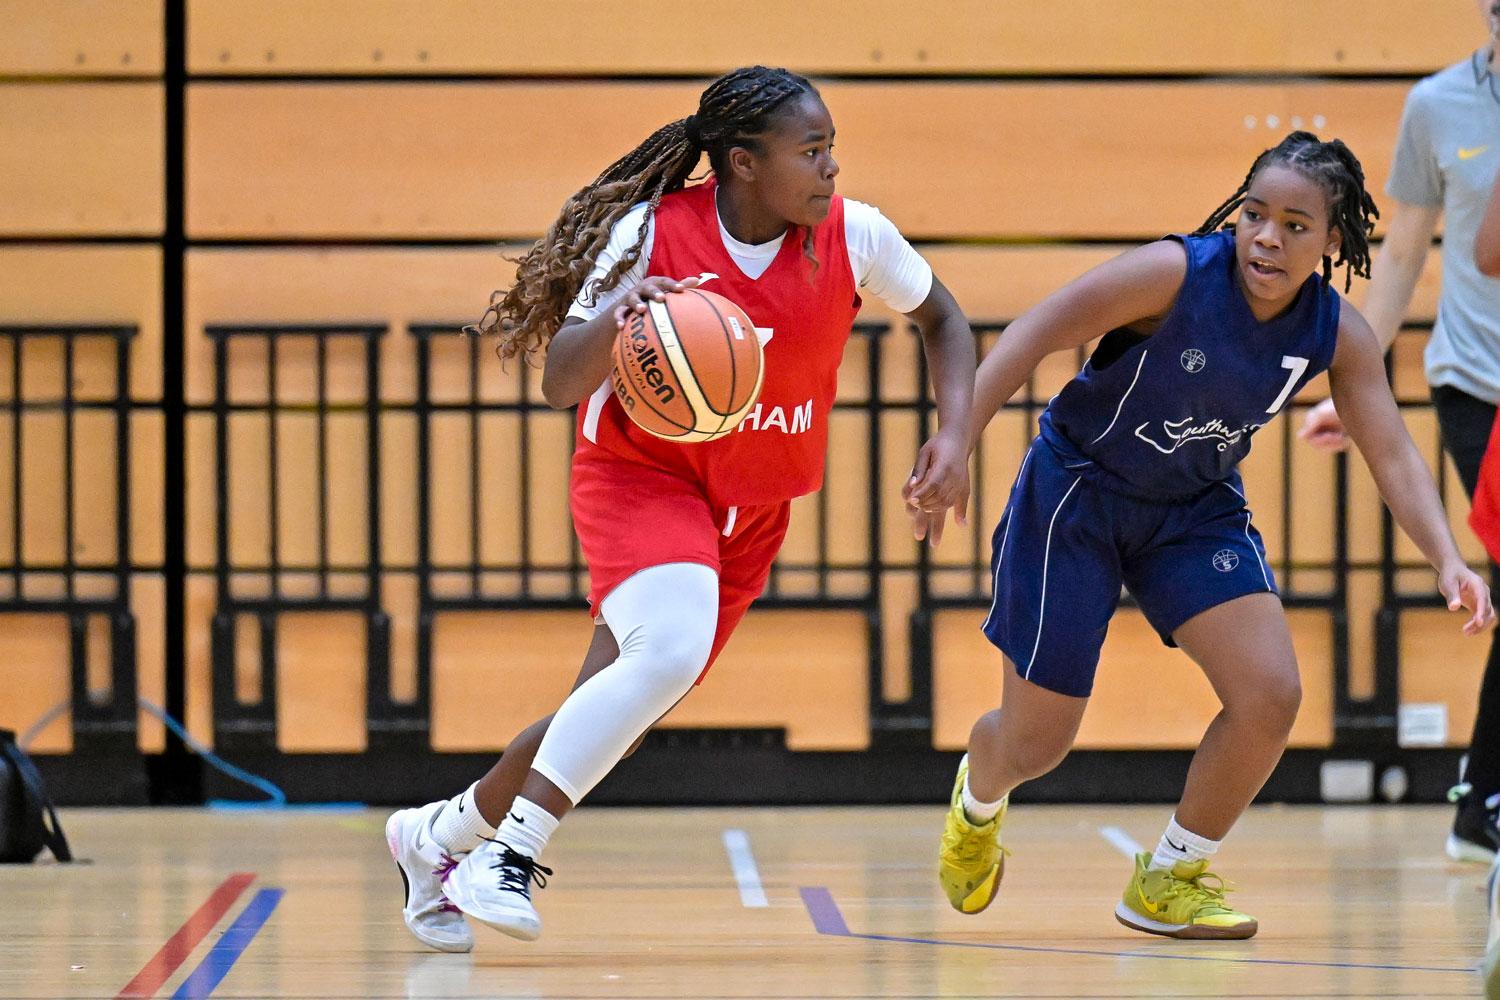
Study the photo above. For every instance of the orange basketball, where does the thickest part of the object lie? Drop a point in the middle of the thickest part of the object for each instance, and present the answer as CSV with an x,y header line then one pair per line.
x,y
689,368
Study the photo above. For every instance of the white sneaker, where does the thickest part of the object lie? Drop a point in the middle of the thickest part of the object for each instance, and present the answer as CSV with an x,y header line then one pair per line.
x,y
493,885
423,864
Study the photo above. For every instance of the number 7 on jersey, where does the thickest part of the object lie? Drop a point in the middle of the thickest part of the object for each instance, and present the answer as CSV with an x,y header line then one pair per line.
x,y
1296,366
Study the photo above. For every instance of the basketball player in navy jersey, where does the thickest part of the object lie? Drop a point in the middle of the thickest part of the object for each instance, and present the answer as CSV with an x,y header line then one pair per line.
x,y
1133,479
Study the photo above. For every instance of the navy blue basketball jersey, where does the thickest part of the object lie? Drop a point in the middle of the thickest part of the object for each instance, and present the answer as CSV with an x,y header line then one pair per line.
x,y
1165,416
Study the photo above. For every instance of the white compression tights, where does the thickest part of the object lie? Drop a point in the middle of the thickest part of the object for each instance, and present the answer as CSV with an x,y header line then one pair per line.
x,y
663,620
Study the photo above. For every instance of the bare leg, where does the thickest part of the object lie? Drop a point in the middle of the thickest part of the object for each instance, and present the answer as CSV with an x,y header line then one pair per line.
x,y
1245,649
1027,736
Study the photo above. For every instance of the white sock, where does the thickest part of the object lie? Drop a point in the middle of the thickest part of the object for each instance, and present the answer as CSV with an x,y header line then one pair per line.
x,y
526,828
980,813
458,827
1179,844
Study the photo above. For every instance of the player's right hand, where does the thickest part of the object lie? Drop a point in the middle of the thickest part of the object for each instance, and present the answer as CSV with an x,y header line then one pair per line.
x,y
652,289
1323,429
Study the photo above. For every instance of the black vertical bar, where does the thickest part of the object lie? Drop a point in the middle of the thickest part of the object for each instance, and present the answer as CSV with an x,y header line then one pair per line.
x,y
525,482
424,467
221,470
273,448
123,555
977,564
424,521
69,528
174,426
322,343
372,466
873,411
15,457
475,521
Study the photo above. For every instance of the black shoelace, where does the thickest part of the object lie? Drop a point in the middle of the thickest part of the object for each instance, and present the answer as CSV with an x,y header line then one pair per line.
x,y
517,871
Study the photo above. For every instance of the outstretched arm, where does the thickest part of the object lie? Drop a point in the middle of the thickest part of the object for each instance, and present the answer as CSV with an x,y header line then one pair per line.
x,y
1135,287
940,478
1364,400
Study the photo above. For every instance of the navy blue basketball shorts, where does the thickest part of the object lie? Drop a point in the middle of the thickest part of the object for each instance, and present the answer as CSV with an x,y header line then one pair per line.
x,y
1065,545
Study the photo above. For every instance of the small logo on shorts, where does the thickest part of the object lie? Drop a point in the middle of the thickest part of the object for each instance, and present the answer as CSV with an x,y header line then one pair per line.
x,y
1225,560
1193,360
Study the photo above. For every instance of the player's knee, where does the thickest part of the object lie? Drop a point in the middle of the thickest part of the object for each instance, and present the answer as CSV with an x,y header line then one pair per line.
x,y
676,658
1275,700
1039,752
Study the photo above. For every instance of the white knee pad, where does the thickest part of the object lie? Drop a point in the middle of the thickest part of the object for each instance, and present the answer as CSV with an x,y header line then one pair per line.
x,y
663,619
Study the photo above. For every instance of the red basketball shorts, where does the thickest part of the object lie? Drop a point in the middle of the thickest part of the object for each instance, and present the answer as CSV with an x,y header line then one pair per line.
x,y
630,517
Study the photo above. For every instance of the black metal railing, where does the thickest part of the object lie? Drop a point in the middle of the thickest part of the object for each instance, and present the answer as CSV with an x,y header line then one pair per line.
x,y
266,586
79,586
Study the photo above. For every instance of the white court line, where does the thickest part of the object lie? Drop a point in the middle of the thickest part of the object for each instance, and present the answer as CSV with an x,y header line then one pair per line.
x,y
1121,841
737,844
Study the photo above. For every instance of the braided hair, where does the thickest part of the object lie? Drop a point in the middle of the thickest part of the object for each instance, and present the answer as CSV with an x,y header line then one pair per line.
x,y
1333,166
733,111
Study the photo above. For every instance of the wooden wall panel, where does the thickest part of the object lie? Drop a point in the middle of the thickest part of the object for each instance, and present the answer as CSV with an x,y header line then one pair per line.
x,y
877,36
81,37
943,159
56,283
1440,665
496,673
81,159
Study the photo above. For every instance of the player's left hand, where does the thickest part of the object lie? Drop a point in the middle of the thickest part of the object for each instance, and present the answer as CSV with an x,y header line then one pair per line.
x,y
939,482
1463,588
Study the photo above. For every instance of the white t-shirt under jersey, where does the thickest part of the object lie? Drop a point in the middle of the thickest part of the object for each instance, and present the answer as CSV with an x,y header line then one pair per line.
x,y
882,261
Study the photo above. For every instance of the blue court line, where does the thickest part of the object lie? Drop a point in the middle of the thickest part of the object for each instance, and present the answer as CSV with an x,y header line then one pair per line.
x,y
828,919
227,950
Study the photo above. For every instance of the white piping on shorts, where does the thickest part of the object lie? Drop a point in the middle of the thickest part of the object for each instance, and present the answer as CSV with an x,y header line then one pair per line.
x,y
1000,556
1250,541
1041,614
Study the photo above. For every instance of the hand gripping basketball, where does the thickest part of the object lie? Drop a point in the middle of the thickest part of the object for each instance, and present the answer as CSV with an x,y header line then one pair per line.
x,y
687,364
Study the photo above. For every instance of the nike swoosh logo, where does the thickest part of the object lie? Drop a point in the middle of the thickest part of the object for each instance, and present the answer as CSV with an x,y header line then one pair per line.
x,y
460,803
1151,908
1469,154
1176,846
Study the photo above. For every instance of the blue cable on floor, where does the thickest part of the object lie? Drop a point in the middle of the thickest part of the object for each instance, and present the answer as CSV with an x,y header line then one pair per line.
x,y
275,797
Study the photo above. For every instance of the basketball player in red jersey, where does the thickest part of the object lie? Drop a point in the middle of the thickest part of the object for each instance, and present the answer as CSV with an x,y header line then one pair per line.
x,y
679,538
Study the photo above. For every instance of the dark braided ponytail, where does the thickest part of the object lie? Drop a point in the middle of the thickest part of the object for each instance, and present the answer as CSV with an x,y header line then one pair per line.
x,y
734,109
1334,167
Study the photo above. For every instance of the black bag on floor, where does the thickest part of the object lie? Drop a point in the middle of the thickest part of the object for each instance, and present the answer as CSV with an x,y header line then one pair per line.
x,y
25,809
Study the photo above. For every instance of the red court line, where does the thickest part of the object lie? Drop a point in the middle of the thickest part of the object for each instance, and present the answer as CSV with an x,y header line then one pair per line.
x,y
180,945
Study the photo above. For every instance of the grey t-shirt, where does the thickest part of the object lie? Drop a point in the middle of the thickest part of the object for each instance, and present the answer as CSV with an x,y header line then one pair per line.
x,y
1447,155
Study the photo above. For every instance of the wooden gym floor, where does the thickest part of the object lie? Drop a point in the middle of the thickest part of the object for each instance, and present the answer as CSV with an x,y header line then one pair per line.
x,y
1353,902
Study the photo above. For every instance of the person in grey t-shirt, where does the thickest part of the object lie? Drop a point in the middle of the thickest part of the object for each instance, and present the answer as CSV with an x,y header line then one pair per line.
x,y
1446,161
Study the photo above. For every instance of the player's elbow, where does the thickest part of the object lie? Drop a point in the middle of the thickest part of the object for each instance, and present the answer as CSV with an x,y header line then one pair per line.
x,y
557,391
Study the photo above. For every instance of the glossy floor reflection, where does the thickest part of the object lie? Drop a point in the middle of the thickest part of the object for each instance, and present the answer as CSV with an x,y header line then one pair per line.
x,y
1353,902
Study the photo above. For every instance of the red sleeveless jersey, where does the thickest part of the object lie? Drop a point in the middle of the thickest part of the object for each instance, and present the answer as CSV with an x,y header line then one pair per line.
x,y
778,452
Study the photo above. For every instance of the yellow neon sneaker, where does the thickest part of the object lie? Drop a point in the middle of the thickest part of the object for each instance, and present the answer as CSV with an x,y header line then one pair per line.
x,y
1181,902
971,860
